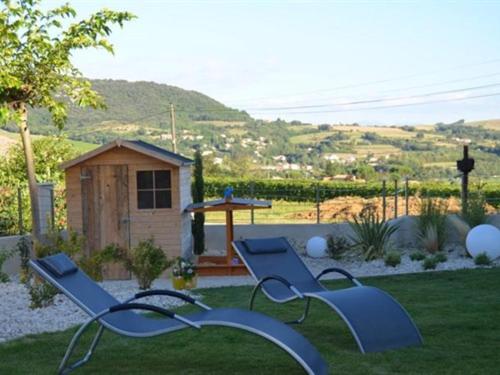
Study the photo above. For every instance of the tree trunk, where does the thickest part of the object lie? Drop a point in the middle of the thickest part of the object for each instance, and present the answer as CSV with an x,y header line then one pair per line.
x,y
30,170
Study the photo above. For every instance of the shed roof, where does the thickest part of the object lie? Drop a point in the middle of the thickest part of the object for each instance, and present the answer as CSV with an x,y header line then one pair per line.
x,y
135,145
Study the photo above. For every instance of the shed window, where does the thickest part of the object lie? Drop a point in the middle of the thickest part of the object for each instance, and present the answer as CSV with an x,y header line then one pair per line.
x,y
154,189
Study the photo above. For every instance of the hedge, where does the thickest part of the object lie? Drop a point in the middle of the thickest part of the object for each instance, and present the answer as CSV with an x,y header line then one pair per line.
x,y
308,190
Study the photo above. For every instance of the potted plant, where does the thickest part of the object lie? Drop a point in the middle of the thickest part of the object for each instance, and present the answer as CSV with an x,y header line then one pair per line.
x,y
184,274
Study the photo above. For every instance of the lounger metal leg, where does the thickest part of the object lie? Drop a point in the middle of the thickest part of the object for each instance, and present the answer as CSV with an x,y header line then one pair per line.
x,y
297,321
63,370
252,298
304,315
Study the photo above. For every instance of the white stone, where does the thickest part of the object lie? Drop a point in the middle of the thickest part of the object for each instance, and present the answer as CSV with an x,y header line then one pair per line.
x,y
484,238
316,247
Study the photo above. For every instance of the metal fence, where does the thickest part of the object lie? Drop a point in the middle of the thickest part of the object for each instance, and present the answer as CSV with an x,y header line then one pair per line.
x,y
391,200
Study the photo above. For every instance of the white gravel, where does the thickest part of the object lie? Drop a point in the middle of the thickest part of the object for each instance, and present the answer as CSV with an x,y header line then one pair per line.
x,y
17,319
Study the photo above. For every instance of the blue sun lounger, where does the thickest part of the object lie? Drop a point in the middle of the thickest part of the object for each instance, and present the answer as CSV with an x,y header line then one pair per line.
x,y
119,318
376,320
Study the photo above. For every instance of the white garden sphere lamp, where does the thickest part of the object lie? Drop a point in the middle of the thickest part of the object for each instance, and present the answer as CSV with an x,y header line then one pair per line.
x,y
316,247
484,238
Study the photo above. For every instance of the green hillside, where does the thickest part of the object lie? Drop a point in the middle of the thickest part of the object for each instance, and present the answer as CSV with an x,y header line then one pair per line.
x,y
145,104
234,144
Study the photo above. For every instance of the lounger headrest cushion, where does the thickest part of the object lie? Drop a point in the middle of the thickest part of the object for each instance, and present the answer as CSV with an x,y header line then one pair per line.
x,y
266,245
59,265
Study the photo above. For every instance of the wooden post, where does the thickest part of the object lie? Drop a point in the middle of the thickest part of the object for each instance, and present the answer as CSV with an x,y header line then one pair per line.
x,y
406,196
172,124
318,207
252,195
384,203
396,199
20,210
229,236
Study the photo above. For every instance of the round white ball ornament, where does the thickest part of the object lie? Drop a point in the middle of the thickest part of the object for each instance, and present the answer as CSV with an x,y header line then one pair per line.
x,y
484,238
316,247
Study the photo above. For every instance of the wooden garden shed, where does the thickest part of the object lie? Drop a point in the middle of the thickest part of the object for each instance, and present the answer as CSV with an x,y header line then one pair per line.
x,y
127,191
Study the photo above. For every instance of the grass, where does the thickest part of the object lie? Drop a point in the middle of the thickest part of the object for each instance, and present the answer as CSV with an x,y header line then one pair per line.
x,y
80,146
457,313
282,212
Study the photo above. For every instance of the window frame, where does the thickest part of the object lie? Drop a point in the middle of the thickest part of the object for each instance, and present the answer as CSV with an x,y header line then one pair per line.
x,y
154,189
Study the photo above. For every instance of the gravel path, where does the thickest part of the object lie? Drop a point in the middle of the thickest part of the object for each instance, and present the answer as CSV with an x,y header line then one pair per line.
x,y
17,319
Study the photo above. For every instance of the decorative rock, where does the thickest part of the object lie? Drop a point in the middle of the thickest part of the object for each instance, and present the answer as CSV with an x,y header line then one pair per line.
x,y
484,238
316,247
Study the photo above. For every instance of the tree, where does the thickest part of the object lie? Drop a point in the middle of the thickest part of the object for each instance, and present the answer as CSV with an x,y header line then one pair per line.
x,y
36,68
198,196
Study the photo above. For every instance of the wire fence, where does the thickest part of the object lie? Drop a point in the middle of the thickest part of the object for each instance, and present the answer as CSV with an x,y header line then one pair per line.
x,y
390,200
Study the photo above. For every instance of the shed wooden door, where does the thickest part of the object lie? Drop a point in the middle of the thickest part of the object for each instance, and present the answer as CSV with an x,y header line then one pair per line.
x,y
105,210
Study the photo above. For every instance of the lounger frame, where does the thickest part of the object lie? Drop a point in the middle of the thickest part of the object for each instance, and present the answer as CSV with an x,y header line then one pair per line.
x,y
65,368
297,293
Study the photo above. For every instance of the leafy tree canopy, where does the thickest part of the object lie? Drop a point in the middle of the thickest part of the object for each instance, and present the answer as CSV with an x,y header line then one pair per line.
x,y
35,56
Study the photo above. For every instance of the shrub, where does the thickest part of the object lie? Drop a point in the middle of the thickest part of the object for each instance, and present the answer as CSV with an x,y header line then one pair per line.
x,y
429,263
417,256
94,265
371,234
146,261
337,246
23,247
4,255
440,257
392,258
432,224
482,260
41,293
475,211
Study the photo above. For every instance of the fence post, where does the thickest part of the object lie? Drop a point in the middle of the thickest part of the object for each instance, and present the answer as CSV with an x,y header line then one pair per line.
x,y
317,205
384,204
20,211
252,195
406,196
396,199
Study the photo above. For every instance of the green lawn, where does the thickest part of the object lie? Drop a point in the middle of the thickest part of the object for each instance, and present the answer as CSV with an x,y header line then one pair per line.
x,y
457,312
282,212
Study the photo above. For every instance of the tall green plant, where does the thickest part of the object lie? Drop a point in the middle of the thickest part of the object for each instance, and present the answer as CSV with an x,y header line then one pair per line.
x,y
371,234
475,212
198,196
36,46
432,224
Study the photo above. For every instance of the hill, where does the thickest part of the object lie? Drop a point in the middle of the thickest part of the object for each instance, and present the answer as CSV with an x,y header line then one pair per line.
x,y
234,144
144,104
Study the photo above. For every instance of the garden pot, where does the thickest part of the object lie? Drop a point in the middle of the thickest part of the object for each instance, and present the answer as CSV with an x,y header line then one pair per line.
x,y
191,283
178,282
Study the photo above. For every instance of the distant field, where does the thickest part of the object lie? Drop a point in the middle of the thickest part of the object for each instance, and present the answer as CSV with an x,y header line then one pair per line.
x,y
383,131
488,124
83,147
221,123
376,149
7,139
311,137
441,164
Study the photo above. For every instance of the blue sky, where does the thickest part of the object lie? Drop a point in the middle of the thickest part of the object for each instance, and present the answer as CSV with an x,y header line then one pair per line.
x,y
265,54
